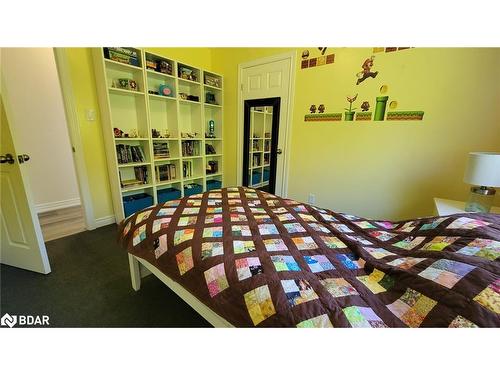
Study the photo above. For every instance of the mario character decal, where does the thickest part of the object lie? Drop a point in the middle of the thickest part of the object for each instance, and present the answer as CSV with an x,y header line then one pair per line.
x,y
366,72
349,114
312,108
365,106
321,108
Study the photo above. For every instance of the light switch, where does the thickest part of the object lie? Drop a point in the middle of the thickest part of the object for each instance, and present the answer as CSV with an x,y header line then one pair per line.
x,y
90,114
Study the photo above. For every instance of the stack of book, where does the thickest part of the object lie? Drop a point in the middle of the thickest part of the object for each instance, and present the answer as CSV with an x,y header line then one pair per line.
x,y
122,54
256,160
141,177
166,172
160,150
190,148
187,169
255,145
130,154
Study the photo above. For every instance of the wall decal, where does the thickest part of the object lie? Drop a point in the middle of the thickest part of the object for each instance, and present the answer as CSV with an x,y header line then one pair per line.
x,y
389,49
305,54
312,108
366,72
322,50
384,89
349,114
323,117
405,115
363,116
365,106
317,61
393,104
321,108
380,108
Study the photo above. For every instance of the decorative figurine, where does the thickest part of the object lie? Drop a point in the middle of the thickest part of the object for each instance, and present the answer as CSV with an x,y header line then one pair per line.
x,y
165,90
118,133
210,98
166,134
211,129
133,133
155,133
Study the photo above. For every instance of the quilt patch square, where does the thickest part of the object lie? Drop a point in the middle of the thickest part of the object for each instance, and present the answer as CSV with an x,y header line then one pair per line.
x,y
286,217
233,195
257,210
341,228
412,307
185,260
446,272
279,210
127,228
263,218
350,261
319,227
142,216
461,322
484,248
350,217
294,228
409,242
267,229
241,230
240,247
187,220
237,210
238,217
364,224
212,232
298,291
378,253
363,317
193,202
216,279
359,239
405,263
259,304
321,321
160,246
213,219
300,208
318,263
386,224
433,224
407,227
338,287
307,217
251,195
248,267
333,242
214,210
214,202
211,249
161,223
467,223
183,235
290,202
377,281
328,217
304,243
191,211
272,202
139,235
275,244
382,235
234,202
285,263
173,203
214,195
490,297
439,243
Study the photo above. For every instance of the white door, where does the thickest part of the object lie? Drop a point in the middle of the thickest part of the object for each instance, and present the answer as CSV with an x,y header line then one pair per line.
x,y
269,78
21,241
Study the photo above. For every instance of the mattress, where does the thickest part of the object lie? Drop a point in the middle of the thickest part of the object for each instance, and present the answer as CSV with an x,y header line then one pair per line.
x,y
259,260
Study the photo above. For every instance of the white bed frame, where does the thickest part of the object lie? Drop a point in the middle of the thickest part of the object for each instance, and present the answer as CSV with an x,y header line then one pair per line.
x,y
140,268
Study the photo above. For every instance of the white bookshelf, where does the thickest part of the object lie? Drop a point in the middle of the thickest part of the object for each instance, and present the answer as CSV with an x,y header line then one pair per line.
x,y
142,111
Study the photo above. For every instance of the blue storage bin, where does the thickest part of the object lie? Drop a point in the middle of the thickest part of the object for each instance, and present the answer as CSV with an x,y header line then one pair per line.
x,y
168,194
214,184
266,174
136,202
195,189
256,177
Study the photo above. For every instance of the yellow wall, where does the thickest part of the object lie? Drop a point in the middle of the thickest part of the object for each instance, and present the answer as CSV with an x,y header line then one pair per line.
x,y
377,169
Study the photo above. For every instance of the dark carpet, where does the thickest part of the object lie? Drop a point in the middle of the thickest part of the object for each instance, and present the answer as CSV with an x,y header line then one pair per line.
x,y
89,286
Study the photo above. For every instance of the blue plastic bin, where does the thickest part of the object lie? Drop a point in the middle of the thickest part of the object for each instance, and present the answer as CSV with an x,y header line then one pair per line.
x,y
136,202
213,184
256,177
195,189
266,174
168,194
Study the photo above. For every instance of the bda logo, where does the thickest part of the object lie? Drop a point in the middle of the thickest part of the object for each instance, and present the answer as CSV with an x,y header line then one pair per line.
x,y
8,320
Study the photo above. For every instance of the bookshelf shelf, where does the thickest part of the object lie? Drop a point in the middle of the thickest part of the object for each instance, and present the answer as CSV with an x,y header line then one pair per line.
x,y
141,111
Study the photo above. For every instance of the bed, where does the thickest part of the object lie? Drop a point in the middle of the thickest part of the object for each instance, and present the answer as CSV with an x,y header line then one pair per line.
x,y
246,258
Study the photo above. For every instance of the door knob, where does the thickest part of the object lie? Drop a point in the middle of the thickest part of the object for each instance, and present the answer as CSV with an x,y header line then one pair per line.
x,y
22,158
8,158
279,151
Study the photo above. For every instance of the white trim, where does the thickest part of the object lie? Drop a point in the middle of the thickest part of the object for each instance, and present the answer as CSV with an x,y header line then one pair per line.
x,y
136,273
75,136
105,220
239,129
52,206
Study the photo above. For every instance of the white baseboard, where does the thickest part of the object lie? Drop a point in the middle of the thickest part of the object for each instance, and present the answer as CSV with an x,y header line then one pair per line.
x,y
51,206
106,220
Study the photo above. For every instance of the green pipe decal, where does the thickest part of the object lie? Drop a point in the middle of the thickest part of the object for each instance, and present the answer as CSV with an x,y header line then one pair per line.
x,y
380,108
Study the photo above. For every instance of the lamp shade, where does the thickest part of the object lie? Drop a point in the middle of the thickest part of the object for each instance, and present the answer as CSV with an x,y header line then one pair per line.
x,y
483,169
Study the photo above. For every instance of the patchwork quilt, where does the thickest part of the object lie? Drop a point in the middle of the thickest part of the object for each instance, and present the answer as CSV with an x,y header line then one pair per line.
x,y
260,260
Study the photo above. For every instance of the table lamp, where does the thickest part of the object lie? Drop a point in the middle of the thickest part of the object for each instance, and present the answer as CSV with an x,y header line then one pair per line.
x,y
483,170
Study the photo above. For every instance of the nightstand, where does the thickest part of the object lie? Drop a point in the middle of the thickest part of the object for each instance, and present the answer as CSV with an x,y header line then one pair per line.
x,y
449,207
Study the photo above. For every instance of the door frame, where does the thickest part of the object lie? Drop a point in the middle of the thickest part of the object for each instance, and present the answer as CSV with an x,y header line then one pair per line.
x,y
75,136
288,111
